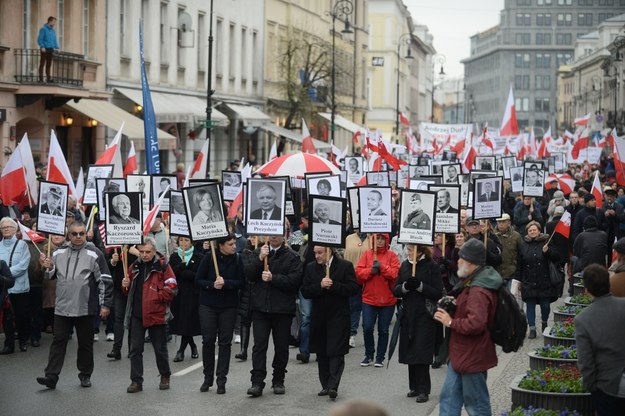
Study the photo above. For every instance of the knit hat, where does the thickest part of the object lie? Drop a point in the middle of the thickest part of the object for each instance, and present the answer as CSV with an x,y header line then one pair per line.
x,y
590,222
559,211
558,195
619,246
474,252
588,197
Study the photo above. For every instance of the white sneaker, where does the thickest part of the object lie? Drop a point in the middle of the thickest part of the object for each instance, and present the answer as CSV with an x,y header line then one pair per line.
x,y
237,339
352,342
96,337
110,337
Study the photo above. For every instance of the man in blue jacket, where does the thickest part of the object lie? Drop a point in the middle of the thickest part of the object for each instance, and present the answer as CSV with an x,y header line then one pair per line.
x,y
47,44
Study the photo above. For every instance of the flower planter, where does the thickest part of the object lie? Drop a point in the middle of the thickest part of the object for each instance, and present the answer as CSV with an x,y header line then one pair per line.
x,y
581,402
540,363
578,288
567,301
577,278
551,340
559,316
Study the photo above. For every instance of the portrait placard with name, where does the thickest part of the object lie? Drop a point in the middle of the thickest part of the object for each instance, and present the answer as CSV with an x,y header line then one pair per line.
x,y
327,225
205,212
178,222
374,203
52,207
417,217
93,172
447,208
124,218
265,207
487,197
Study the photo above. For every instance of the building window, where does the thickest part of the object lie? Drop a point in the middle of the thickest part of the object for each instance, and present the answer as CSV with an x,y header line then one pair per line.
x,y
543,2
60,23
219,54
523,2
604,16
244,49
521,82
255,58
584,19
606,2
522,60
543,38
85,27
232,61
541,104
202,46
543,19
585,2
564,39
565,2
543,60
563,58
522,104
523,39
523,19
542,82
565,19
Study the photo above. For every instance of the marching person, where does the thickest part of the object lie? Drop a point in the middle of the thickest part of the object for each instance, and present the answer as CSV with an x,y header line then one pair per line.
x,y
78,291
418,330
329,282
150,286
219,297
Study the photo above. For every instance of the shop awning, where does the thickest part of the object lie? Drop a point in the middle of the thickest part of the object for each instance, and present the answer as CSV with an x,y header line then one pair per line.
x,y
176,108
292,135
112,116
343,122
251,116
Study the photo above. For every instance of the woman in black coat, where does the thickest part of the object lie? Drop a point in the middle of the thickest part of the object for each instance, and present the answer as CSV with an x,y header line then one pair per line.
x,y
533,268
418,329
185,306
330,320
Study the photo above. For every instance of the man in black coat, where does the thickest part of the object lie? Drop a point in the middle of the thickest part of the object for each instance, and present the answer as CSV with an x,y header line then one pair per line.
x,y
590,209
272,305
590,246
612,215
330,321
493,245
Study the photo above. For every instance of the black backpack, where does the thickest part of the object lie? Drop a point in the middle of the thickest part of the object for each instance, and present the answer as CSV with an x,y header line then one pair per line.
x,y
510,325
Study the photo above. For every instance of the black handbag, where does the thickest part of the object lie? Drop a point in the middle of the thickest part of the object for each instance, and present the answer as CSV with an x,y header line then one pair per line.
x,y
556,274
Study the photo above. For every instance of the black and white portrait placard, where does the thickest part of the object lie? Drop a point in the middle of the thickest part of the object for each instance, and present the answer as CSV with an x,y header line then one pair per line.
x,y
485,163
354,213
231,182
516,178
534,164
52,207
507,163
343,180
560,162
159,186
143,184
124,218
447,208
355,168
378,178
265,202
324,185
533,180
487,197
420,184
107,185
417,217
94,172
551,164
205,212
451,174
374,205
417,171
178,222
403,176
327,217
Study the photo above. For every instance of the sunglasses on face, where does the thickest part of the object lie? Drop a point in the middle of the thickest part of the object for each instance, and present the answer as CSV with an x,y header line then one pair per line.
x,y
75,234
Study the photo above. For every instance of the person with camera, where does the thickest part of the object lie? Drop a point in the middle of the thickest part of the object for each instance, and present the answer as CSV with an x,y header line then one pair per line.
x,y
471,349
418,291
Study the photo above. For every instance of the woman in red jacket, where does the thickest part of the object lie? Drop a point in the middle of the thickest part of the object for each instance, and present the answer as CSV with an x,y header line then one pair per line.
x,y
376,272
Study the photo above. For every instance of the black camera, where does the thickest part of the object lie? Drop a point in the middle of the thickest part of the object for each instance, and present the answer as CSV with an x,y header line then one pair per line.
x,y
447,304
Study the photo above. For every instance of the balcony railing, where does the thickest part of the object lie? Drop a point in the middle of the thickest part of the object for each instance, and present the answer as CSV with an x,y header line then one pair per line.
x,y
67,68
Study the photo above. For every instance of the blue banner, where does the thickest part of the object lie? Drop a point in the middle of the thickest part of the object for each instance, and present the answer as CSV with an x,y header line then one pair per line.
x,y
152,161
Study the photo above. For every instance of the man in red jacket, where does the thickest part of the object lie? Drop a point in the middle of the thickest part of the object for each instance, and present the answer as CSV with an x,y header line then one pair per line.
x,y
150,286
376,272
471,349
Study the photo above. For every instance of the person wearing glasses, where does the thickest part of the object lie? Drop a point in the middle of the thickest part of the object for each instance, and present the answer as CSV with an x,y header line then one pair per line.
x,y
121,210
78,292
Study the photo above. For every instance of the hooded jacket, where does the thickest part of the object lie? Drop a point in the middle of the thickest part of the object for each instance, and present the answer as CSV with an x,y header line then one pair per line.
x,y
377,288
47,37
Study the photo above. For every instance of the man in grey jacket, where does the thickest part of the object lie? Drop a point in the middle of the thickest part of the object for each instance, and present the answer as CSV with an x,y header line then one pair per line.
x,y
600,352
83,282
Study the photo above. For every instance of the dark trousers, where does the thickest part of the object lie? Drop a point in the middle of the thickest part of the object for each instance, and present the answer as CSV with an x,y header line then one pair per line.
x,y
21,320
606,405
419,378
278,325
158,337
217,323
119,300
36,312
330,370
46,60
63,326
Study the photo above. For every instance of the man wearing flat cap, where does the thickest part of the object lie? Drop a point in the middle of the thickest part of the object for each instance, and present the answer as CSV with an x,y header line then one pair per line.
x,y
53,204
613,214
475,308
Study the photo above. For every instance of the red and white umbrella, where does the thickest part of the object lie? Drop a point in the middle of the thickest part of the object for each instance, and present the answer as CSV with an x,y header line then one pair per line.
x,y
565,182
296,165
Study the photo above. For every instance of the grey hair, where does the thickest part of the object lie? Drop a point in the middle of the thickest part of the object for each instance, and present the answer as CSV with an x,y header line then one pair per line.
x,y
72,198
8,220
149,240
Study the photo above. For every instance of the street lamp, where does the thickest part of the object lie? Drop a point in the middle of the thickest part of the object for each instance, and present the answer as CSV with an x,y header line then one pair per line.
x,y
437,59
405,38
341,10
210,91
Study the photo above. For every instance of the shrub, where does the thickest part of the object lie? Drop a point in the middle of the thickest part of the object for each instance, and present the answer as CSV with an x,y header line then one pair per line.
x,y
554,380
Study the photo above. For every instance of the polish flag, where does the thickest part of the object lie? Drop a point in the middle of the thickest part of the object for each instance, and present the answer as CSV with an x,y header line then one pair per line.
x,y
357,135
563,227
132,167
596,190
307,142
58,171
469,160
506,150
459,147
582,121
112,155
509,125
150,219
246,173
199,167
403,119
29,169
619,158
373,140
568,136
13,180
486,141
30,235
609,139
80,185
581,144
543,150
273,152
390,159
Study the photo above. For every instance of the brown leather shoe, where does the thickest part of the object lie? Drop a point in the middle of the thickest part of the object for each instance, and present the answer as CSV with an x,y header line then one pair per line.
x,y
134,388
164,385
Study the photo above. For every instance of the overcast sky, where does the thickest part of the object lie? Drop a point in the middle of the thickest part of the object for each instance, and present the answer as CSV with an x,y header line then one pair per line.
x,y
452,22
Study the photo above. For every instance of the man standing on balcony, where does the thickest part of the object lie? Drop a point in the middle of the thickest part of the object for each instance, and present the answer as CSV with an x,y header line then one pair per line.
x,y
47,44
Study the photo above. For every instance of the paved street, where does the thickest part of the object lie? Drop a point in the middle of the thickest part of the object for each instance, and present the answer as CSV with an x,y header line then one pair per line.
x,y
21,395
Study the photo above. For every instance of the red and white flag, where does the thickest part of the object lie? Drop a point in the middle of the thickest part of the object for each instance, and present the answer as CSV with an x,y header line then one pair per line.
x,y
543,150
486,141
403,119
132,167
582,143
112,155
582,121
29,169
563,227
596,190
273,152
80,185
58,171
469,159
356,138
509,124
568,136
307,141
13,180
390,159
30,235
150,219
199,167
619,158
